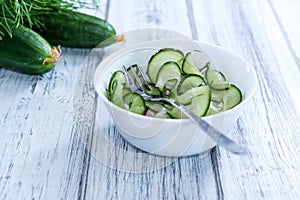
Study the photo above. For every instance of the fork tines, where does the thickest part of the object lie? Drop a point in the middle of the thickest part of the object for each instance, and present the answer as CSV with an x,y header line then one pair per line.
x,y
136,78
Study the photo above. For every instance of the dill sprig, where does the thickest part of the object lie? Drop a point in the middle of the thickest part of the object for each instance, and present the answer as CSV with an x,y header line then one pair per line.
x,y
31,13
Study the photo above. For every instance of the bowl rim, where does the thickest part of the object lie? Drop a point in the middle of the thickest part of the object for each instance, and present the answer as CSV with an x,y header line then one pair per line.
x,y
121,52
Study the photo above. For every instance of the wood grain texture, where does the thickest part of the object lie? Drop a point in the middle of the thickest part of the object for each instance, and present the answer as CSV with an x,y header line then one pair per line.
x,y
134,14
269,125
58,141
36,123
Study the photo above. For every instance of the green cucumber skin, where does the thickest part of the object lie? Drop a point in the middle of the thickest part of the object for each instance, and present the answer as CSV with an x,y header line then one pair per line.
x,y
77,30
25,51
155,64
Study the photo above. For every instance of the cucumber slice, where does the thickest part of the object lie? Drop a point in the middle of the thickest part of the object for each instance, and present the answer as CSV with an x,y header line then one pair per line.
x,y
215,107
187,97
168,106
216,80
200,104
227,98
126,99
151,90
204,68
126,91
117,96
161,57
211,111
169,76
175,113
188,82
188,67
162,114
157,109
136,104
154,105
117,77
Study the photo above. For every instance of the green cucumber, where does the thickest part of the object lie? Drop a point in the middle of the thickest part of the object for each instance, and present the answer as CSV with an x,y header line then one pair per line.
x,y
160,58
200,103
118,90
168,76
117,96
118,77
216,79
152,90
136,104
126,91
127,100
26,51
188,67
163,113
157,109
74,29
227,98
175,113
188,96
154,105
188,82
215,107
196,100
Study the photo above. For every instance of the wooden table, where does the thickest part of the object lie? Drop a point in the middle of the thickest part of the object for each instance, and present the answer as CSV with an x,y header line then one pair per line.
x,y
51,126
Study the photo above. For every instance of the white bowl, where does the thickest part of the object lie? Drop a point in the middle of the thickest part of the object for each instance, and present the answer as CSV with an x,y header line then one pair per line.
x,y
174,137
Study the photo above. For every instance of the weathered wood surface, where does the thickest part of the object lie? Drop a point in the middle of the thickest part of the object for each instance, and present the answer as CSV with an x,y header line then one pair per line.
x,y
58,141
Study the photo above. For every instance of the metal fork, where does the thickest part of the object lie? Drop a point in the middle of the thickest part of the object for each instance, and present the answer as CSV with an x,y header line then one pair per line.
x,y
137,86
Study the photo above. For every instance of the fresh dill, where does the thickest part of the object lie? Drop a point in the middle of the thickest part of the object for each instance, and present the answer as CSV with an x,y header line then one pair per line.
x,y
31,13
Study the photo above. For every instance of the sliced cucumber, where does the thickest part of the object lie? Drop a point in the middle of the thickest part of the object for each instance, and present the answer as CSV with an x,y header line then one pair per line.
x,y
152,90
227,98
216,80
211,111
154,105
117,96
157,109
168,106
161,111
200,104
188,67
187,97
126,91
136,104
161,57
162,114
203,95
168,76
205,68
175,113
188,82
117,77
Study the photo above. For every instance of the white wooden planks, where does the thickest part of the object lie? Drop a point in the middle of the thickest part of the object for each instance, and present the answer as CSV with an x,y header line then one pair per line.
x,y
45,153
270,124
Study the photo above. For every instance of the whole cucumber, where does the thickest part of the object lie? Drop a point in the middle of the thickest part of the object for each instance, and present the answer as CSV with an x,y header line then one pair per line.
x,y
79,30
26,51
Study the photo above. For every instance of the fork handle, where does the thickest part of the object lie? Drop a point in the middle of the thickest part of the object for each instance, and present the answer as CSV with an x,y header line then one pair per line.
x,y
216,135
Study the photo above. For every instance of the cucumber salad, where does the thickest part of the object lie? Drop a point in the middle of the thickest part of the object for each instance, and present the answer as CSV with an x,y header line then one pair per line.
x,y
173,74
